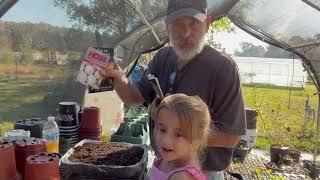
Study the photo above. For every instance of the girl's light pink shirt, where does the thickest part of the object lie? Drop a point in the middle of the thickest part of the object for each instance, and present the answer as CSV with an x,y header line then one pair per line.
x,y
157,174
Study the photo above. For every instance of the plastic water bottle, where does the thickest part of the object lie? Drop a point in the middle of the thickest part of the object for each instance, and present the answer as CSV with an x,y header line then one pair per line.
x,y
50,133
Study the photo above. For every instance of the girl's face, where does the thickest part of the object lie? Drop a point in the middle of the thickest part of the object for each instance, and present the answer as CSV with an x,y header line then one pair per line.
x,y
171,144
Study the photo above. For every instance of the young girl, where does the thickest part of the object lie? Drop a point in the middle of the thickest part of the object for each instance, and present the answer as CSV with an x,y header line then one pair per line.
x,y
181,128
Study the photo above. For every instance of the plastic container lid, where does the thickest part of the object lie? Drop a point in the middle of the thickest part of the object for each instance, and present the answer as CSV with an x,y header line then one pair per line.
x,y
50,118
17,133
68,103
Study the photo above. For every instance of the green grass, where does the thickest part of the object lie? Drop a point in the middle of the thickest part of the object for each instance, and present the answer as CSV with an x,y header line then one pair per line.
x,y
281,120
38,89
25,97
5,126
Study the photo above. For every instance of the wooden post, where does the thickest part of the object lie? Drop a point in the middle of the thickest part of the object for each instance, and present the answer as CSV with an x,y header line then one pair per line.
x,y
16,69
317,132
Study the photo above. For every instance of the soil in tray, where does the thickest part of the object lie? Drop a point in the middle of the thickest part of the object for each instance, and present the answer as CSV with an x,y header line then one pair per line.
x,y
107,154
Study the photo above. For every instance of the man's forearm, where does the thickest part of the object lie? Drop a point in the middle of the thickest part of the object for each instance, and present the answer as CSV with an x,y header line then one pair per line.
x,y
217,138
129,94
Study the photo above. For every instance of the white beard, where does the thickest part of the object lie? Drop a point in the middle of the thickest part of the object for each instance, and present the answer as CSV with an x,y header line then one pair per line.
x,y
189,54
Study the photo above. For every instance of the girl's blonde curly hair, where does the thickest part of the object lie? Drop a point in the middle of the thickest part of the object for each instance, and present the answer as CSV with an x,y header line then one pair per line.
x,y
193,115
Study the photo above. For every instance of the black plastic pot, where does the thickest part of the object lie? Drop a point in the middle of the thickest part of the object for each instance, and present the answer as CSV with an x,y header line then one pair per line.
x,y
295,155
34,125
313,168
251,118
276,153
240,154
287,160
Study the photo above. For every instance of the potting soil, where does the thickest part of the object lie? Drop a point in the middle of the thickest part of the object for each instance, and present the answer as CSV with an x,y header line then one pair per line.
x,y
107,154
91,159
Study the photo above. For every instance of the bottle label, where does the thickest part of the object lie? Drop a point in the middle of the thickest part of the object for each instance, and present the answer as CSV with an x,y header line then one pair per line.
x,y
51,136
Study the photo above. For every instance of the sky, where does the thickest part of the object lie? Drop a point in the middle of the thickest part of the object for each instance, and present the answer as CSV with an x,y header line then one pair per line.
x,y
37,11
45,11
231,41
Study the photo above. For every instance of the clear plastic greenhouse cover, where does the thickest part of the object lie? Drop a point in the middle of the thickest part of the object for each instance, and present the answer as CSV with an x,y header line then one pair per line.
x,y
287,24
134,27
138,26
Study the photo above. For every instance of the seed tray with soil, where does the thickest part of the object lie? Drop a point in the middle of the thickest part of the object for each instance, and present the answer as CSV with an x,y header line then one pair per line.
x,y
107,154
91,159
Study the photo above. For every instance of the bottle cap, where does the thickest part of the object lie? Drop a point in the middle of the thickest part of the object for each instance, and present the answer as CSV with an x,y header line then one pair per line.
x,y
50,118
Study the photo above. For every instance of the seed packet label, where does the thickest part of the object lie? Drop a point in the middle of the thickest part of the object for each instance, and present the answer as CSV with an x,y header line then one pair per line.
x,y
96,58
93,61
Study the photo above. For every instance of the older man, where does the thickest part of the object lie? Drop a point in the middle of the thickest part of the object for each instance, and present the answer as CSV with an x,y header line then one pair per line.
x,y
193,68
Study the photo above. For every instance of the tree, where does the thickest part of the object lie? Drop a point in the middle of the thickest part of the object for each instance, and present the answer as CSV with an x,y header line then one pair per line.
x,y
113,18
5,39
250,50
221,25
23,37
19,42
6,56
275,52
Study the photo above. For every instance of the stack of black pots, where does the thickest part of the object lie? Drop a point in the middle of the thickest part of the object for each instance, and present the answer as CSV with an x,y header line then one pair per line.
x,y
68,123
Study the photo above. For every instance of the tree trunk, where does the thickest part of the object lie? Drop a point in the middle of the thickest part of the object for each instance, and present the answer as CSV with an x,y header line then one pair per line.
x,y
98,38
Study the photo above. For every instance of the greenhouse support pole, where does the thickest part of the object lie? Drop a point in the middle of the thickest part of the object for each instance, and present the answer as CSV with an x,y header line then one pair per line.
x,y
143,19
6,5
317,132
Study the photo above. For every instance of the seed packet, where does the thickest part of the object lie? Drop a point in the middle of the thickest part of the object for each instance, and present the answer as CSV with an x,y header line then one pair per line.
x,y
94,60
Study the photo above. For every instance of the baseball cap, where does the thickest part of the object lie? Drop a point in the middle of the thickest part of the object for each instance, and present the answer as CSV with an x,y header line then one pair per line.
x,y
191,8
